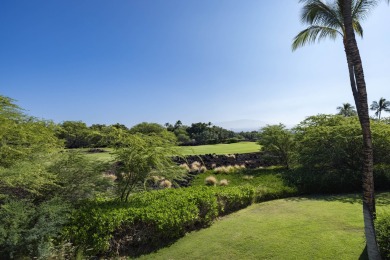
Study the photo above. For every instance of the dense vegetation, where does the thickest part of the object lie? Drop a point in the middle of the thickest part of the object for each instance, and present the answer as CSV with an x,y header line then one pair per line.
x,y
57,203
77,134
325,152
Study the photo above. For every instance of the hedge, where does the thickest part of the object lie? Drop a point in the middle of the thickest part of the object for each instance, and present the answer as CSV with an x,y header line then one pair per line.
x,y
150,220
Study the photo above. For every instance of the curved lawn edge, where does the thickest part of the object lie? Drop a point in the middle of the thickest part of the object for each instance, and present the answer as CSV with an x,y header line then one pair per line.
x,y
313,227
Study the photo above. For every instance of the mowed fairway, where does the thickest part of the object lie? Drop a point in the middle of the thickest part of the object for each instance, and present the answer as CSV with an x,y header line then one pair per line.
x,y
295,228
241,147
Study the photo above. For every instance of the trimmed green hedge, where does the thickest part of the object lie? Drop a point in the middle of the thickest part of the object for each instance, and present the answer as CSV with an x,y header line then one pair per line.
x,y
151,219
382,226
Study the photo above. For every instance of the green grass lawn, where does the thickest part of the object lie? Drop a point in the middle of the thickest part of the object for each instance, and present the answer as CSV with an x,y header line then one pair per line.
x,y
325,227
106,156
241,147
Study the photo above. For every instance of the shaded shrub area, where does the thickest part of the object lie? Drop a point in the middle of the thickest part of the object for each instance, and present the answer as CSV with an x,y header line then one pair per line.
x,y
153,219
329,157
312,182
382,226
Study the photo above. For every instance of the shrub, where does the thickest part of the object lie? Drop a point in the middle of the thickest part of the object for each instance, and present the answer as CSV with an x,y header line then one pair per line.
x,y
151,219
231,199
278,141
195,166
211,181
165,184
223,182
329,152
382,226
229,168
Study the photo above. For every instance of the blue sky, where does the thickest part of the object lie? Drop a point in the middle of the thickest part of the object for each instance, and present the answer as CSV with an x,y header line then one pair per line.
x,y
130,61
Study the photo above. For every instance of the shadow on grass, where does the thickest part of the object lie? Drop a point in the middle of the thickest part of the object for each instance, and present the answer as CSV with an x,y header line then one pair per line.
x,y
364,254
382,199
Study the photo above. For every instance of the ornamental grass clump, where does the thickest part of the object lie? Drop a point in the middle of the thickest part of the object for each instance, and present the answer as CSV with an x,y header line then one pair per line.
x,y
211,181
165,184
229,168
195,166
223,182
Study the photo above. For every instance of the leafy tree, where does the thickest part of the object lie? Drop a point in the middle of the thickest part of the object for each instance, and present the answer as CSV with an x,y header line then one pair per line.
x,y
153,129
182,136
380,106
342,18
141,157
205,133
250,136
22,136
278,141
75,133
346,110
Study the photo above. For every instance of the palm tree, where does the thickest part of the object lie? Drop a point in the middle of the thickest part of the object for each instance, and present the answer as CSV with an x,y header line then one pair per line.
x,y
346,110
383,105
342,18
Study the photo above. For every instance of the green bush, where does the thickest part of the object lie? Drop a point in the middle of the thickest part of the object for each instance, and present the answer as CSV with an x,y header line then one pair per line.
x,y
31,230
330,154
278,142
151,219
382,226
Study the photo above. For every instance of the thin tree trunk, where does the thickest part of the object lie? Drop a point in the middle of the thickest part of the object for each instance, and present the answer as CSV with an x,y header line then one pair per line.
x,y
358,86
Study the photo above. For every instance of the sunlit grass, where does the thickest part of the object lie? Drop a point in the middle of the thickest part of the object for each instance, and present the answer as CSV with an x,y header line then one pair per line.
x,y
242,147
315,227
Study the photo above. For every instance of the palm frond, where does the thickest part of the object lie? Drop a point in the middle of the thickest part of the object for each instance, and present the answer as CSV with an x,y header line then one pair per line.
x,y
357,28
313,33
316,12
361,8
374,105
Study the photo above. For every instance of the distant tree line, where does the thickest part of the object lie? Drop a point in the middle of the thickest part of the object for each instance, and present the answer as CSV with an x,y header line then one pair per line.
x,y
205,133
76,134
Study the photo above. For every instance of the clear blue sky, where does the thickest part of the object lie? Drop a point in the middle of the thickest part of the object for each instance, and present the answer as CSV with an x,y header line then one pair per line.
x,y
130,61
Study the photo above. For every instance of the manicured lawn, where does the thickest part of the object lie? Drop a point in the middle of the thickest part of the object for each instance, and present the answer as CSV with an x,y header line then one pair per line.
x,y
241,147
326,227
105,156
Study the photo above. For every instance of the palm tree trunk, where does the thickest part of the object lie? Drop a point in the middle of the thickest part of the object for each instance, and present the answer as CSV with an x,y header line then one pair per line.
x,y
358,86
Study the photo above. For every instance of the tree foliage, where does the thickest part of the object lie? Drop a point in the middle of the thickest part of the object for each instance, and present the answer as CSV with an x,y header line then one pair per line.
x,y
380,106
142,156
347,110
21,136
329,150
278,141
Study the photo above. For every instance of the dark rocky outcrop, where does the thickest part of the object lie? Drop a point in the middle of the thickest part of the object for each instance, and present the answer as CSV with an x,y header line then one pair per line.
x,y
250,160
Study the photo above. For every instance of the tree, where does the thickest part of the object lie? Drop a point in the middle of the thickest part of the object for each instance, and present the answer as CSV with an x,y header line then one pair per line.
x,y
342,18
141,157
21,136
346,110
153,129
278,141
75,133
380,106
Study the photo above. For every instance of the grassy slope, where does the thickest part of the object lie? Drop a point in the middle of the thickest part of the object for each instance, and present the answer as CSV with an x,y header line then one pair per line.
x,y
297,228
268,180
242,147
